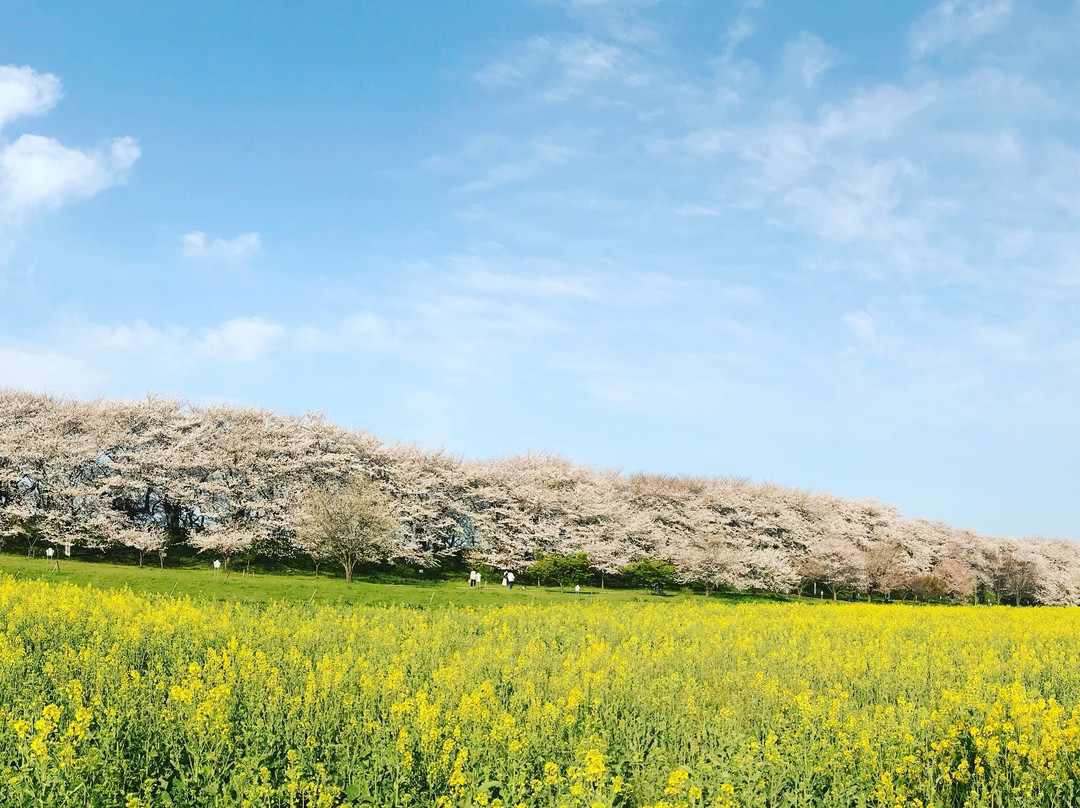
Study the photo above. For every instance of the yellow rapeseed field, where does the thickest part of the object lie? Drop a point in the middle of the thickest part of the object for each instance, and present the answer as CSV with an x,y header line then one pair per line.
x,y
109,698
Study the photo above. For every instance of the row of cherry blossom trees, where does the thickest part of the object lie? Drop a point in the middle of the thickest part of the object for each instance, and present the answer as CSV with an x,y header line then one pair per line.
x,y
230,480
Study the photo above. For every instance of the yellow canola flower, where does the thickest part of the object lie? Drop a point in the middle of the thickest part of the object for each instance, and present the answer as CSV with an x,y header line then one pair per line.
x,y
682,703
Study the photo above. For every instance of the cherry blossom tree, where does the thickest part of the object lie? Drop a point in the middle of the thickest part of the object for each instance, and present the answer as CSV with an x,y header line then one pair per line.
x,y
148,537
887,567
1019,570
957,578
832,564
352,524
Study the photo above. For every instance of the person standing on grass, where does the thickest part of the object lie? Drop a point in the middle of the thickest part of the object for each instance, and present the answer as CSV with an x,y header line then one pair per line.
x,y
478,579
510,579
472,579
504,579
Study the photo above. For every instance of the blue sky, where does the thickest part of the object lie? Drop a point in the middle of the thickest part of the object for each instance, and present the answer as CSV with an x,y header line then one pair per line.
x,y
835,245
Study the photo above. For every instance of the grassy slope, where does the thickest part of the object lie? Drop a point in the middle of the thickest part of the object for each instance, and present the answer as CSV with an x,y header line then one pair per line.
x,y
295,586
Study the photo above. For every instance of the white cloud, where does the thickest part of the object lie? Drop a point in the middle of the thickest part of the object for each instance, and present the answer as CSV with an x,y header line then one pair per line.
x,y
556,283
238,341
875,114
1004,343
858,202
956,22
895,172
364,330
538,155
620,19
640,394
24,91
245,339
683,382
37,172
738,32
862,325
842,171
198,247
503,72
694,209
49,371
585,59
1014,243
609,4
808,57
367,327
742,28
139,336
566,64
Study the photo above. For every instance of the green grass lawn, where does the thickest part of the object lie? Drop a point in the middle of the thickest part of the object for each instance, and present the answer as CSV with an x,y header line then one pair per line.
x,y
261,587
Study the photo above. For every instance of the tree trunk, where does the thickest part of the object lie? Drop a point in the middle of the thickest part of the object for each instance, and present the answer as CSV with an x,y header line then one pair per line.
x,y
348,565
141,553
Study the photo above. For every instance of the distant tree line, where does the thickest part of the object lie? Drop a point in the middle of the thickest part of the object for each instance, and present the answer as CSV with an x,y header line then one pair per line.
x,y
244,481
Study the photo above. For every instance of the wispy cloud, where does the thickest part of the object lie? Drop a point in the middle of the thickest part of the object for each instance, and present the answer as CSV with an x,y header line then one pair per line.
x,y
242,340
473,320
550,280
944,186
527,161
569,64
808,57
197,246
956,22
741,28
622,20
